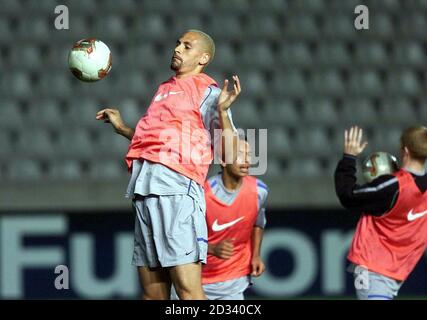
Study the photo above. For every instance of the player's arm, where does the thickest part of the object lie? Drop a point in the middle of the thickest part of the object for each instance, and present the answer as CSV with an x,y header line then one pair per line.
x,y
257,264
222,250
113,116
229,136
375,198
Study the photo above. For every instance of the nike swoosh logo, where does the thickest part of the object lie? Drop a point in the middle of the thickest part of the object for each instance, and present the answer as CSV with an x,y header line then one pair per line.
x,y
163,96
413,216
219,227
160,97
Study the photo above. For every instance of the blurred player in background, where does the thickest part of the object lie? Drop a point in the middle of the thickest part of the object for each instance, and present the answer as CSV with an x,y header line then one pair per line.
x,y
235,214
167,193
391,235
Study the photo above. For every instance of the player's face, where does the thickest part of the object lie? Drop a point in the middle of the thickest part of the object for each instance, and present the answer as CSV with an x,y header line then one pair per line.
x,y
188,53
240,167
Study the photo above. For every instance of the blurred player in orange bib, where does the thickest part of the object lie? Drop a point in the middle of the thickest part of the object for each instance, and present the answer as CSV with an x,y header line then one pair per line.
x,y
169,157
235,216
391,235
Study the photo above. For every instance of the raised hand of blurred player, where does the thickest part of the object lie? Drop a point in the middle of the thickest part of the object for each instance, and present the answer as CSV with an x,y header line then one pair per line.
x,y
353,141
226,98
258,266
223,249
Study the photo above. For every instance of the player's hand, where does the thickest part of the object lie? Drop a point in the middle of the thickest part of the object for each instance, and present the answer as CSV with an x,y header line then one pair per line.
x,y
258,266
353,141
226,98
111,116
223,249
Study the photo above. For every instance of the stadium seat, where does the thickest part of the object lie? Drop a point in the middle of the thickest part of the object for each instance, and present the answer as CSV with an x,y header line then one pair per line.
x,y
258,56
81,26
10,115
295,54
359,111
279,143
6,144
371,54
318,110
291,83
82,112
152,26
17,84
24,169
301,26
111,145
365,82
404,82
339,26
333,54
35,28
225,27
197,7
47,113
76,143
304,167
274,169
312,141
225,57
246,114
281,112
269,6
111,26
262,26
399,111
382,26
327,82
188,21
35,143
237,6
312,6
106,170
156,6
254,83
66,169
409,53
26,56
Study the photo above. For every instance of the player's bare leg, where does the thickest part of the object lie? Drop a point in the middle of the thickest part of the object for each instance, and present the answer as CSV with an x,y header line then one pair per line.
x,y
187,280
156,284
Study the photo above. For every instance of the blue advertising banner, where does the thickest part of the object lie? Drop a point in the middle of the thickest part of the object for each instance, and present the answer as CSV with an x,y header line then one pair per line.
x,y
88,256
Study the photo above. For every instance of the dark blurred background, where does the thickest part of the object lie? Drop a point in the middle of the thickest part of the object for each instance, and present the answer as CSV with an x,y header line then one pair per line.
x,y
306,74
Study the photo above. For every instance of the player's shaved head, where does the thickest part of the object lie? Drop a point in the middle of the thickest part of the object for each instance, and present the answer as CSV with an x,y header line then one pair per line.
x,y
206,41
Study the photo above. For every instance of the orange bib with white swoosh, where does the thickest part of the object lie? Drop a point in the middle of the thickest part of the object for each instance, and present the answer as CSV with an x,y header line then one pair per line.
x,y
172,131
235,221
392,244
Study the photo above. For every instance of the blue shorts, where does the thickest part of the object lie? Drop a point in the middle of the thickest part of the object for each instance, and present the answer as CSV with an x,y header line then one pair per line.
x,y
169,231
374,286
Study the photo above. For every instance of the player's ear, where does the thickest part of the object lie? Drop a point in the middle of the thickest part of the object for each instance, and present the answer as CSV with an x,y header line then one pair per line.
x,y
204,60
406,150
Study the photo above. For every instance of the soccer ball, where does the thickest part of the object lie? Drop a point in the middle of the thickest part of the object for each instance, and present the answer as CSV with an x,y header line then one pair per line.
x,y
378,164
90,60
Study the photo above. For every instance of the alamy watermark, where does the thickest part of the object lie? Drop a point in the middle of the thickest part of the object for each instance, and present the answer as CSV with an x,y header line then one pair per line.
x,y
63,280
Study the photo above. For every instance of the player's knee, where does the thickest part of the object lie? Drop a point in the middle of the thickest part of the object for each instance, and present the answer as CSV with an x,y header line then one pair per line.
x,y
151,296
187,294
